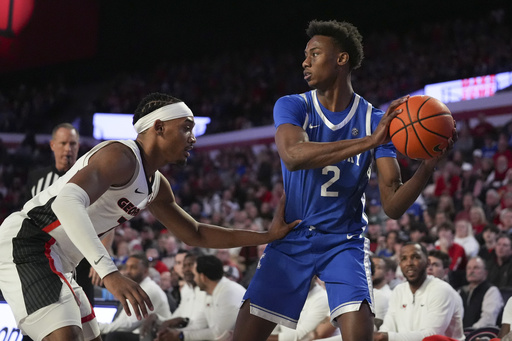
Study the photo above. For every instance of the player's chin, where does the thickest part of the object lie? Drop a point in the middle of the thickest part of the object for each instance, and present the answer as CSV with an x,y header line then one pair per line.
x,y
181,163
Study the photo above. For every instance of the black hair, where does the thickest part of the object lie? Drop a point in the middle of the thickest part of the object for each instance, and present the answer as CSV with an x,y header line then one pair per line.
x,y
443,256
345,35
142,257
152,102
422,247
418,226
210,266
491,227
446,225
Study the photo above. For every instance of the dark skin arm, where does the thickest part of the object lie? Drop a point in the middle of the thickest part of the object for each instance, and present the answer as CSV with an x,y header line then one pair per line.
x,y
193,233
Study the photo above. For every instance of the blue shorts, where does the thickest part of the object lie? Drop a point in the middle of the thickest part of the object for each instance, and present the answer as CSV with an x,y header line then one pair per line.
x,y
281,283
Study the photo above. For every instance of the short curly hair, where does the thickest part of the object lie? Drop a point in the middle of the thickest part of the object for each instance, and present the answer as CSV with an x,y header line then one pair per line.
x,y
152,102
345,35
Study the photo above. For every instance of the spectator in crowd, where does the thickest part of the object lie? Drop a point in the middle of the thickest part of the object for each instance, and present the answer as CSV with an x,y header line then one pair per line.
x,y
391,240
505,223
154,259
439,264
220,306
468,201
124,327
169,285
446,243
424,305
381,289
464,237
373,233
482,129
178,266
448,182
492,205
482,301
478,219
391,273
490,237
418,231
500,268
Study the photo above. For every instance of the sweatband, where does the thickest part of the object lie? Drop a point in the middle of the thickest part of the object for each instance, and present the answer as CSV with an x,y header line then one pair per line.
x,y
165,113
70,207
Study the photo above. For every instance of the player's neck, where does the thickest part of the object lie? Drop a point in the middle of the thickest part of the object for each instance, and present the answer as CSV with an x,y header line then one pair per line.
x,y
337,98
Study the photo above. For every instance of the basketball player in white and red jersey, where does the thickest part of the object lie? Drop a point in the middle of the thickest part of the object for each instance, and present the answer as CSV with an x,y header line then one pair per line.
x,y
41,244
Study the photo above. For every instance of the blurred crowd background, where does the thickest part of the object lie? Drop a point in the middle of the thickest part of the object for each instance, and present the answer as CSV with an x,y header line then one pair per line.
x,y
237,86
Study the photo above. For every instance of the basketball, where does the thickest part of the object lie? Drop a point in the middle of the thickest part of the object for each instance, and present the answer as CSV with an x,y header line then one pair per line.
x,y
422,130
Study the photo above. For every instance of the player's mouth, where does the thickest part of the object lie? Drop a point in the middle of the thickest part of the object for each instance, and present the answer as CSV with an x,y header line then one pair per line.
x,y
307,76
187,150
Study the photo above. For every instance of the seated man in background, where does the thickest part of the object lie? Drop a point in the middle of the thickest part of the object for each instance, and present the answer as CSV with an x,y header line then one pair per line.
x,y
423,306
124,327
381,289
482,301
223,298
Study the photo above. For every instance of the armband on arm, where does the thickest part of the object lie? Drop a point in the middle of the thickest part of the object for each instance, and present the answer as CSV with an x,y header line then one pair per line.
x,y
70,208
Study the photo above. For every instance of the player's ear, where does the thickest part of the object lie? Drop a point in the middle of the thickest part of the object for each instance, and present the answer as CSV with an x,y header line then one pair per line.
x,y
343,58
159,127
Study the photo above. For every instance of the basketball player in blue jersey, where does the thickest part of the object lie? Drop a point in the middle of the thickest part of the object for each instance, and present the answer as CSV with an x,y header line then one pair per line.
x,y
41,245
327,139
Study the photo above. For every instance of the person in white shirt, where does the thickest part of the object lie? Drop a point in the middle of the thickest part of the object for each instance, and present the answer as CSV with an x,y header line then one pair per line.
x,y
190,312
482,301
124,327
315,311
223,299
381,289
423,306
506,321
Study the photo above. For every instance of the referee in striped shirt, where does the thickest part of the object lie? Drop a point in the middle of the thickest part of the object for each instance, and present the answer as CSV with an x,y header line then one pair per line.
x,y
64,145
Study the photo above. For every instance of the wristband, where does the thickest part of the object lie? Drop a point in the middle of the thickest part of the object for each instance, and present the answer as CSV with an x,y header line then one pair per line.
x,y
181,336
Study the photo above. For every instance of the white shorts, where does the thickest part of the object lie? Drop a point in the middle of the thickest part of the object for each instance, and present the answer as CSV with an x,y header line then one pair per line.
x,y
65,312
41,296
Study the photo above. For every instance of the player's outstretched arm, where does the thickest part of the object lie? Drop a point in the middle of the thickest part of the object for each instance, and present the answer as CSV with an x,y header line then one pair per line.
x,y
193,233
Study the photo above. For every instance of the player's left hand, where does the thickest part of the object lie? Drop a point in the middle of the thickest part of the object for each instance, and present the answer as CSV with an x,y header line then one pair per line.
x,y
125,289
447,150
279,228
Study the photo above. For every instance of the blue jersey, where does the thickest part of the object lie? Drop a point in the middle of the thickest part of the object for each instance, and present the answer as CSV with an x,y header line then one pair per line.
x,y
331,198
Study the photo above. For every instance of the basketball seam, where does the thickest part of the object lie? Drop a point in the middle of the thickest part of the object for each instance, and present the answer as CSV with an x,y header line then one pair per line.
x,y
414,129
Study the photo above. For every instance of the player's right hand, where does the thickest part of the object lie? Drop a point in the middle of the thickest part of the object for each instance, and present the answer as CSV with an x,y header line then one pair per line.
x,y
124,289
381,133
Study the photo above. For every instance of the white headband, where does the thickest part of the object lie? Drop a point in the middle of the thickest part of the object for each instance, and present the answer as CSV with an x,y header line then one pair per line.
x,y
165,113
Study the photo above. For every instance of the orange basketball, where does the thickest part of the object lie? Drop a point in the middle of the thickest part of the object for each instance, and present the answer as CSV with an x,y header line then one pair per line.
x,y
422,129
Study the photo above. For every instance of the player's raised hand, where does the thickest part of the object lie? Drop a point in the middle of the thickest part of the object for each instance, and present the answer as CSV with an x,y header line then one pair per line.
x,y
124,289
279,228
